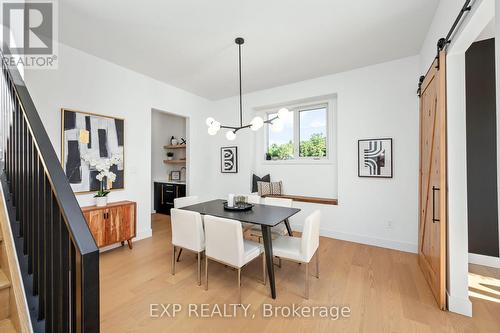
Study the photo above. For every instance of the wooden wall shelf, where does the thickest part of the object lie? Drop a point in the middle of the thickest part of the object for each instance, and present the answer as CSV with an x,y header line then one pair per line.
x,y
174,147
174,161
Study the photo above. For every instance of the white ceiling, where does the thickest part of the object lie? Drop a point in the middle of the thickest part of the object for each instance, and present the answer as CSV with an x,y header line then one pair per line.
x,y
190,43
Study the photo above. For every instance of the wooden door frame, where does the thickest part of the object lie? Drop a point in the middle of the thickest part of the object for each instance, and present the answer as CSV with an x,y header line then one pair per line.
x,y
439,66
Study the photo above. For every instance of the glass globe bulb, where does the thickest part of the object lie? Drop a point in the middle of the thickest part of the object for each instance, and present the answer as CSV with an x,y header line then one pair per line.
x,y
209,121
212,130
257,123
215,125
277,125
282,113
230,135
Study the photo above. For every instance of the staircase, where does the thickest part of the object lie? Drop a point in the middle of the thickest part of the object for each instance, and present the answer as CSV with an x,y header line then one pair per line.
x,y
49,261
6,325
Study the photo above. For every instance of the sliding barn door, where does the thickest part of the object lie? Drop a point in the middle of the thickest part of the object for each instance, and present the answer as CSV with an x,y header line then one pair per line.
x,y
432,187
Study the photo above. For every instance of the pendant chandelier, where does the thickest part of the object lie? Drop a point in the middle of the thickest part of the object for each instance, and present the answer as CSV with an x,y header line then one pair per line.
x,y
257,122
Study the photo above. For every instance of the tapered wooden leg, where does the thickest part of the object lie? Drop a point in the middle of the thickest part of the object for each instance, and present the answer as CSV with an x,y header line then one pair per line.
x,y
206,272
199,268
129,241
307,280
173,259
239,285
264,268
317,263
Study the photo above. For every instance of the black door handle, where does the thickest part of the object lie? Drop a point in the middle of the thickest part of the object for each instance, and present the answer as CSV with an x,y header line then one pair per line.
x,y
434,189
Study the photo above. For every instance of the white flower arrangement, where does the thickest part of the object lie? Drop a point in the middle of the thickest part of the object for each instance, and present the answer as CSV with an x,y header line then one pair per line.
x,y
103,166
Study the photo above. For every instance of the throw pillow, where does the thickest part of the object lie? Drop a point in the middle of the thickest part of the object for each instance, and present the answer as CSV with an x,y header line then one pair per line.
x,y
269,188
255,179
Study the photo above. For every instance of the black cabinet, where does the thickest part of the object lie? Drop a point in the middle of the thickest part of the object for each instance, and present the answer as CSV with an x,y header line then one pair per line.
x,y
164,195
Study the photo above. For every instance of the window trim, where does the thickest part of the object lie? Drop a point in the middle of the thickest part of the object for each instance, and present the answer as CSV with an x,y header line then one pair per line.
x,y
296,109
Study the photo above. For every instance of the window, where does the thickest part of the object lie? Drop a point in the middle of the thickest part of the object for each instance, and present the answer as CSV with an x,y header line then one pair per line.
x,y
312,132
302,135
280,142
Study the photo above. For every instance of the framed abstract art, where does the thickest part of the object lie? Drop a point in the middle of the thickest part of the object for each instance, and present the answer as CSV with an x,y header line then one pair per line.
x,y
229,159
88,134
375,158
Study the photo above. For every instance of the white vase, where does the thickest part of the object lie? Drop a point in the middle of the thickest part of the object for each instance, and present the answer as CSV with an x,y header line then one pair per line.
x,y
101,201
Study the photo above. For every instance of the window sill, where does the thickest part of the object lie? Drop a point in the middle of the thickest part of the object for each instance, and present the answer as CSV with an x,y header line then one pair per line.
x,y
297,162
300,198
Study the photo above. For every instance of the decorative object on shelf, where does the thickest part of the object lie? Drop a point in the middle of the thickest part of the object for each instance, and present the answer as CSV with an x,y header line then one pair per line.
x,y
170,156
256,123
183,141
173,141
91,134
175,175
105,176
375,158
229,159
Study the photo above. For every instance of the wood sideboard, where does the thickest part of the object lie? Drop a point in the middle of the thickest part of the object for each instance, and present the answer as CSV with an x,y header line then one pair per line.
x,y
113,223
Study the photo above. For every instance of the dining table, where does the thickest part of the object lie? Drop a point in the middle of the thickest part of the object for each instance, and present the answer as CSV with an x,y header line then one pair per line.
x,y
266,216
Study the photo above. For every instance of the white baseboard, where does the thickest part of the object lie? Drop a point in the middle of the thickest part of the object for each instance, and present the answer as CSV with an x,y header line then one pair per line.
x,y
459,305
483,260
356,238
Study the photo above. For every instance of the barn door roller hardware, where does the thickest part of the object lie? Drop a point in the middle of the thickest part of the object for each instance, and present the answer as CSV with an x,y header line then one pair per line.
x,y
443,43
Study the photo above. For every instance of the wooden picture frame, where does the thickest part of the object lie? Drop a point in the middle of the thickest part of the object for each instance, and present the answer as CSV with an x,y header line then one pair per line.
x,y
85,132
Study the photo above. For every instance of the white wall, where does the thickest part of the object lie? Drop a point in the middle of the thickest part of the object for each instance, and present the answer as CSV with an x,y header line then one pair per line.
x,y
164,126
375,101
84,82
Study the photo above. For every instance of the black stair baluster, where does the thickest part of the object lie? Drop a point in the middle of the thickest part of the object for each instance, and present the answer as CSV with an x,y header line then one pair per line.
x,y
49,292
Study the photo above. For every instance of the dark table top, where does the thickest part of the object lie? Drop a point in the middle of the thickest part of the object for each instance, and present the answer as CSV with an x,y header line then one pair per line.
x,y
259,214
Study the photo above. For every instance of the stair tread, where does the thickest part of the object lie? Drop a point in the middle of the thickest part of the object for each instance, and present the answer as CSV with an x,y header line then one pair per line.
x,y
4,281
6,326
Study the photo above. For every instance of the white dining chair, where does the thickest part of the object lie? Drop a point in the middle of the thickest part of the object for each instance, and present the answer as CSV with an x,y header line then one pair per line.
x,y
253,199
187,233
183,202
280,229
301,249
225,244
186,201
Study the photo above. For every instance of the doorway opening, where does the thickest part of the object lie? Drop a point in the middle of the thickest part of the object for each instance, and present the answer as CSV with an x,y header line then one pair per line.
x,y
169,162
482,168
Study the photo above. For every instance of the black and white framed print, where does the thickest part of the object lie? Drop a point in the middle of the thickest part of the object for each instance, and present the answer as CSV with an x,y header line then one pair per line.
x,y
375,158
88,134
229,159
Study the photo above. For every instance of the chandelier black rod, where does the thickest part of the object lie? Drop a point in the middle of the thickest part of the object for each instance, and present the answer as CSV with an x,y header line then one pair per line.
x,y
239,68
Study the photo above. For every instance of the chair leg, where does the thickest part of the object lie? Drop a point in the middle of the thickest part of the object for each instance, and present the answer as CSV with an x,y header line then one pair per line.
x,y
199,268
206,272
263,268
173,260
317,263
239,285
307,280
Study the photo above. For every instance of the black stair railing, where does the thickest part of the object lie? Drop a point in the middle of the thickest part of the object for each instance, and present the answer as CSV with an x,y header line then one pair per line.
x,y
57,254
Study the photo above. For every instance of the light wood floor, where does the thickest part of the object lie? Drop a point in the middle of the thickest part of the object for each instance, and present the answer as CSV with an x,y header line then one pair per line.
x,y
384,289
